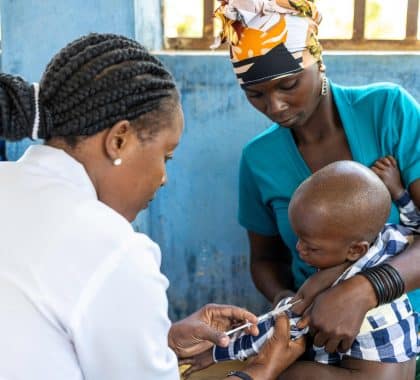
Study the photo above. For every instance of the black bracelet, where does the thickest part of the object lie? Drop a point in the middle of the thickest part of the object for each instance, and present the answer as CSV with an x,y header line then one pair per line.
x,y
396,278
386,281
392,281
375,282
240,374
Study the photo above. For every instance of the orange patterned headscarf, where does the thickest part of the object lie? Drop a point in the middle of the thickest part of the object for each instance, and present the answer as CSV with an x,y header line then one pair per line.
x,y
269,38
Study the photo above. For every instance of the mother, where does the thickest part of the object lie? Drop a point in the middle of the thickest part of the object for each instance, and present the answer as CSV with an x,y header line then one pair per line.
x,y
277,59
81,293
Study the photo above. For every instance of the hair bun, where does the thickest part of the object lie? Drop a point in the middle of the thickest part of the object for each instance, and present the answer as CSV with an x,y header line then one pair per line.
x,y
17,107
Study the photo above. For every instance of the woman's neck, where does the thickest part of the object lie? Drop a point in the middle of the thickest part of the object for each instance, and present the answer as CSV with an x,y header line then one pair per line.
x,y
323,122
88,152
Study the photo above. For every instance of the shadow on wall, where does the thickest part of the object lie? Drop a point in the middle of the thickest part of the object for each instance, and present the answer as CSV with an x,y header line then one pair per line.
x,y
2,150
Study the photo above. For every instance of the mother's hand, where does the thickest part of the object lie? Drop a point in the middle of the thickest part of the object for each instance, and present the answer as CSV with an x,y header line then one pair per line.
x,y
278,353
315,285
198,332
337,313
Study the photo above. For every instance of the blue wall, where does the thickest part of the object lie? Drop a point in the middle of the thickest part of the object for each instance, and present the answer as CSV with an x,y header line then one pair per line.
x,y
32,31
205,252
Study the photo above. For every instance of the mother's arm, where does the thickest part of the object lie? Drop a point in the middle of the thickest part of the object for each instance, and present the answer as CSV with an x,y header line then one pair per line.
x,y
271,266
408,263
339,332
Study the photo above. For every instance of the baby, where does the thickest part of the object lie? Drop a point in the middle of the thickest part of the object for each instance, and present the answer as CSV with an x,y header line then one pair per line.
x,y
338,215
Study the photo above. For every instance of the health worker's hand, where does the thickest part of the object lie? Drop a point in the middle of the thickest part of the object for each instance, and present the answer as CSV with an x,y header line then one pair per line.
x,y
198,332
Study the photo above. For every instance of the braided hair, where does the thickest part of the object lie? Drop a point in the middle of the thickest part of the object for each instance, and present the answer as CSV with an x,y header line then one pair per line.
x,y
91,84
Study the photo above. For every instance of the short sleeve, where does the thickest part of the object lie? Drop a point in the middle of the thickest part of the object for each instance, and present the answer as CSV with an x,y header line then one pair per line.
x,y
404,114
253,214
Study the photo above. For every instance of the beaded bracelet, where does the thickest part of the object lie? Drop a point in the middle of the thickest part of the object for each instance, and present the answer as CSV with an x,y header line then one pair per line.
x,y
386,281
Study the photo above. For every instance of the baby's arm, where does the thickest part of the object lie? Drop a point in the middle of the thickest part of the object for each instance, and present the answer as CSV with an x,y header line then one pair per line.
x,y
246,345
409,213
387,169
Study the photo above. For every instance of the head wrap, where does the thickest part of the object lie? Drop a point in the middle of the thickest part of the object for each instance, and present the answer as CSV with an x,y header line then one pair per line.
x,y
269,38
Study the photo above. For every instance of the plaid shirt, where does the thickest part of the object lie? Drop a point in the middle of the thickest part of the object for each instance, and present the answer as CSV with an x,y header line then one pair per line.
x,y
388,333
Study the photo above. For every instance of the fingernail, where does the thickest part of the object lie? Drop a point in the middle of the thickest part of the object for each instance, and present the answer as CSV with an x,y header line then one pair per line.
x,y
224,341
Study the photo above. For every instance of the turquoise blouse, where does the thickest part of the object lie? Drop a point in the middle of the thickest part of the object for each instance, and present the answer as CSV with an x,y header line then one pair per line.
x,y
379,119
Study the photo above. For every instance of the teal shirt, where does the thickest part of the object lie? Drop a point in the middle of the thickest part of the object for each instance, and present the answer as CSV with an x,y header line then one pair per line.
x,y
379,119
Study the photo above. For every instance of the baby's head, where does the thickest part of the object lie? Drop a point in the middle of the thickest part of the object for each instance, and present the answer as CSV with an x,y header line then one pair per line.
x,y
337,213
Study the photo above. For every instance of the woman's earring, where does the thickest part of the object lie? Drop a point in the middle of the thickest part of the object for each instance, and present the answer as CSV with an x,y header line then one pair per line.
x,y
324,85
117,162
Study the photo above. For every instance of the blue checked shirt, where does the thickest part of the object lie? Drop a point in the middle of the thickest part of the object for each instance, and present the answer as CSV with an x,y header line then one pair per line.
x,y
388,333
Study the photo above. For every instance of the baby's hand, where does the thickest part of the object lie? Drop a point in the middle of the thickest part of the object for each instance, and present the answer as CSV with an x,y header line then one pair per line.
x,y
386,169
197,363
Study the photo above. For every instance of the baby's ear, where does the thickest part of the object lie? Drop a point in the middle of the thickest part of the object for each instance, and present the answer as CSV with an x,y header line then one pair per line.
x,y
357,250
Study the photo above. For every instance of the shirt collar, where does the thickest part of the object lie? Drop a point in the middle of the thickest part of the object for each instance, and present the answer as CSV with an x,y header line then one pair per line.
x,y
60,165
379,251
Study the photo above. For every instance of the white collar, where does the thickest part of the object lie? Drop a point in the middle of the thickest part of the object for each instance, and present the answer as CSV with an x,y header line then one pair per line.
x,y
59,164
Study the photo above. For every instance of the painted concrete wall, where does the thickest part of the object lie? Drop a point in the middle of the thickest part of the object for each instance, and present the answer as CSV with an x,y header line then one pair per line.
x,y
148,26
32,31
205,252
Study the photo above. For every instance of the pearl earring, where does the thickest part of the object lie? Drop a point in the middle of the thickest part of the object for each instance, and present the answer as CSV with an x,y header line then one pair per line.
x,y
117,162
324,85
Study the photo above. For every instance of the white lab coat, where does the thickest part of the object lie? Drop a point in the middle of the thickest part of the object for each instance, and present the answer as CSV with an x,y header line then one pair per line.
x,y
81,293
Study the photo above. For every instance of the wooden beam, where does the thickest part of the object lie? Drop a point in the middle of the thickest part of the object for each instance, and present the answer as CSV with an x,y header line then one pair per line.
x,y
412,19
208,23
359,20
